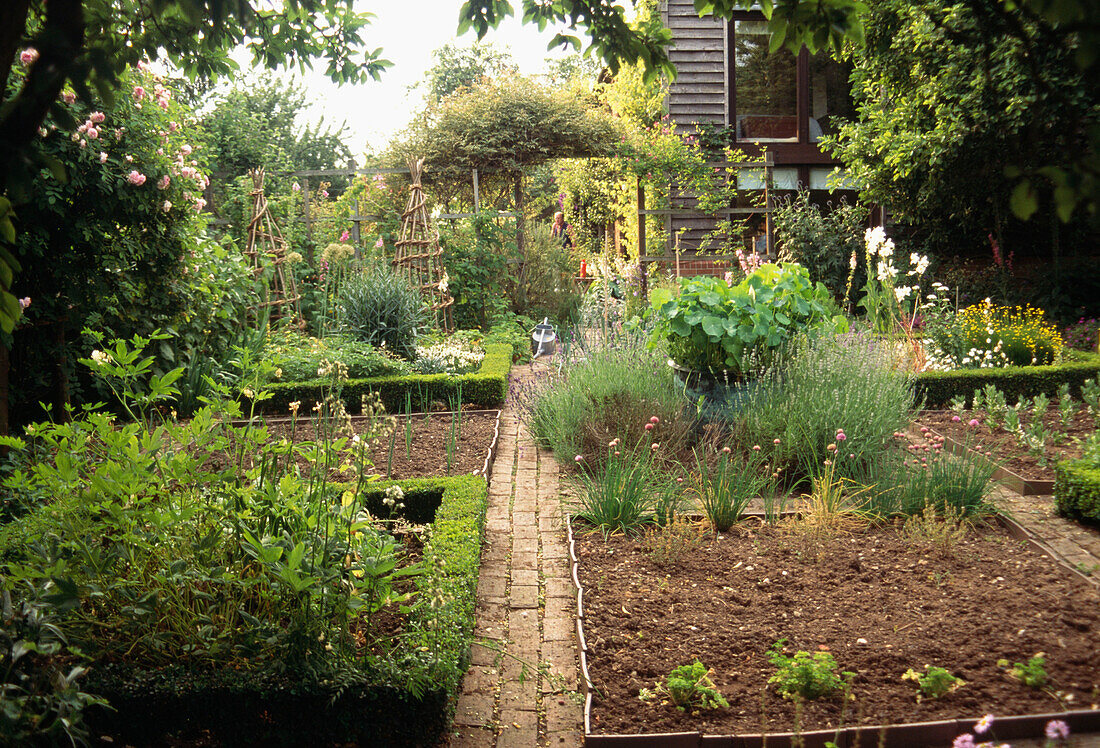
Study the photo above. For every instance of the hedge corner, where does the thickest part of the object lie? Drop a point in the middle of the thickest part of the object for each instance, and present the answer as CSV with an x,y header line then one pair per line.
x,y
1077,490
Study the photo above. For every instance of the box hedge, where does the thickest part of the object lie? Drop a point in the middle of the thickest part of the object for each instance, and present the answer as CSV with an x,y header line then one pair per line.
x,y
409,705
1077,490
485,388
938,387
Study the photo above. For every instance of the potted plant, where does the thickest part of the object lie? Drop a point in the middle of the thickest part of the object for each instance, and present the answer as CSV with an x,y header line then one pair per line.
x,y
718,332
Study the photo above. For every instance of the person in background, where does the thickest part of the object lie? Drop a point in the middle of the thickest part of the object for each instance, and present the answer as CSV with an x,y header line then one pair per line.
x,y
561,230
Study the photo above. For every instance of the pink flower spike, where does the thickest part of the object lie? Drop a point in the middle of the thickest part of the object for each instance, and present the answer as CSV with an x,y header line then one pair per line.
x,y
984,724
344,236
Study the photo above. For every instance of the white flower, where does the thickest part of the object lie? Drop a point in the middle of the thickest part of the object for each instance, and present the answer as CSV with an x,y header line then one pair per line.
x,y
887,248
100,357
902,292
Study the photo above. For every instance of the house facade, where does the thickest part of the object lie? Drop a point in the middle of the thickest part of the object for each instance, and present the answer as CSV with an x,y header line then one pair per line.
x,y
777,102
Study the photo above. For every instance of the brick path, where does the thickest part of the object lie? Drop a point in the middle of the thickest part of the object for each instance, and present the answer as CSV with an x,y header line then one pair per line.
x,y
525,606
1072,542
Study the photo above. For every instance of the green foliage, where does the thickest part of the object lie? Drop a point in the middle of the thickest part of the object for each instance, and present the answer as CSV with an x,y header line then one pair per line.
x,y
1077,489
1032,673
513,330
455,67
506,126
604,392
290,356
822,241
379,307
256,123
845,383
951,99
934,682
545,285
936,388
257,565
807,676
118,245
486,388
689,687
476,253
42,702
713,326
619,493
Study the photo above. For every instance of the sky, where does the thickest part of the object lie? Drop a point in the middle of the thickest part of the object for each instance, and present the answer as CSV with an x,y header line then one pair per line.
x,y
408,32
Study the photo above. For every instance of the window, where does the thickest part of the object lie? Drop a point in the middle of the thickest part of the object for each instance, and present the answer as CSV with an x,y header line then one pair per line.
x,y
830,95
765,90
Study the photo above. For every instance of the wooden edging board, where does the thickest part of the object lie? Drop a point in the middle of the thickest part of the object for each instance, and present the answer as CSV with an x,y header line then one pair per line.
x,y
916,735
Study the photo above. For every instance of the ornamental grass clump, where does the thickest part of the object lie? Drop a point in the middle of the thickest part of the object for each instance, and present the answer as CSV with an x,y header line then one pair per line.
x,y
379,307
845,382
602,391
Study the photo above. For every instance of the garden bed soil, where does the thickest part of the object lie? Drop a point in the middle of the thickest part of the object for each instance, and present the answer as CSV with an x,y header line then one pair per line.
x,y
877,603
1004,449
427,454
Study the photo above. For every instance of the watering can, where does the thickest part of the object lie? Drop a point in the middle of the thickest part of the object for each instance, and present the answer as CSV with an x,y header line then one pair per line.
x,y
543,339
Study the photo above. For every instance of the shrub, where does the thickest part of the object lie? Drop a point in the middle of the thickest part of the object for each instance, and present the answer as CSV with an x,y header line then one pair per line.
x,y
604,391
515,330
822,241
1082,335
987,336
379,307
1077,489
713,326
546,279
294,357
937,388
476,253
845,383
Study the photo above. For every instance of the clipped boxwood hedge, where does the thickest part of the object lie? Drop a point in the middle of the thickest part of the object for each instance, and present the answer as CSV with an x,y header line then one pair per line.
x,y
938,387
1077,490
485,388
266,708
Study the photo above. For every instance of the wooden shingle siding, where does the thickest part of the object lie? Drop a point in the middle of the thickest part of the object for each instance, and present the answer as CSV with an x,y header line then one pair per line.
x,y
699,93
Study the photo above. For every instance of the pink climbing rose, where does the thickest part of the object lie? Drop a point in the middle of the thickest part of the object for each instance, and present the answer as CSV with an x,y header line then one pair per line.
x,y
135,177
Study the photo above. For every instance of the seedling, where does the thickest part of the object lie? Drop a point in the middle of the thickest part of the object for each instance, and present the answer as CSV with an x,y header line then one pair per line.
x,y
934,682
688,686
1032,674
805,675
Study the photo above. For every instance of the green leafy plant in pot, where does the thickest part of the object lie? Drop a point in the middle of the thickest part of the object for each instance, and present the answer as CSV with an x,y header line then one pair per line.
x,y
734,330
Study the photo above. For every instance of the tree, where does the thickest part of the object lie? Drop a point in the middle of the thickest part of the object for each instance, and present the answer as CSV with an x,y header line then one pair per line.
x,y
255,123
946,111
457,67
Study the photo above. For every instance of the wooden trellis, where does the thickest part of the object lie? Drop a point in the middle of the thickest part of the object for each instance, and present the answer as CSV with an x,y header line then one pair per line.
x,y
264,236
418,256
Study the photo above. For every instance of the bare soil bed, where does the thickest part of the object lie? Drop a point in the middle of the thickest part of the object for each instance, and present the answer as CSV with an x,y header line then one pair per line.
x,y
426,455
1004,448
877,603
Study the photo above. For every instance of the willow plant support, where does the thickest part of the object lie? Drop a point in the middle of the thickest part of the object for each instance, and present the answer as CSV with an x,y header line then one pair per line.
x,y
266,239
419,257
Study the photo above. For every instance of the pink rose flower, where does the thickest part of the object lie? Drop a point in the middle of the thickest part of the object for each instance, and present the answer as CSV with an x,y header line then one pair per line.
x,y
167,206
102,157
139,93
97,117
135,177
164,182
68,97
28,55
